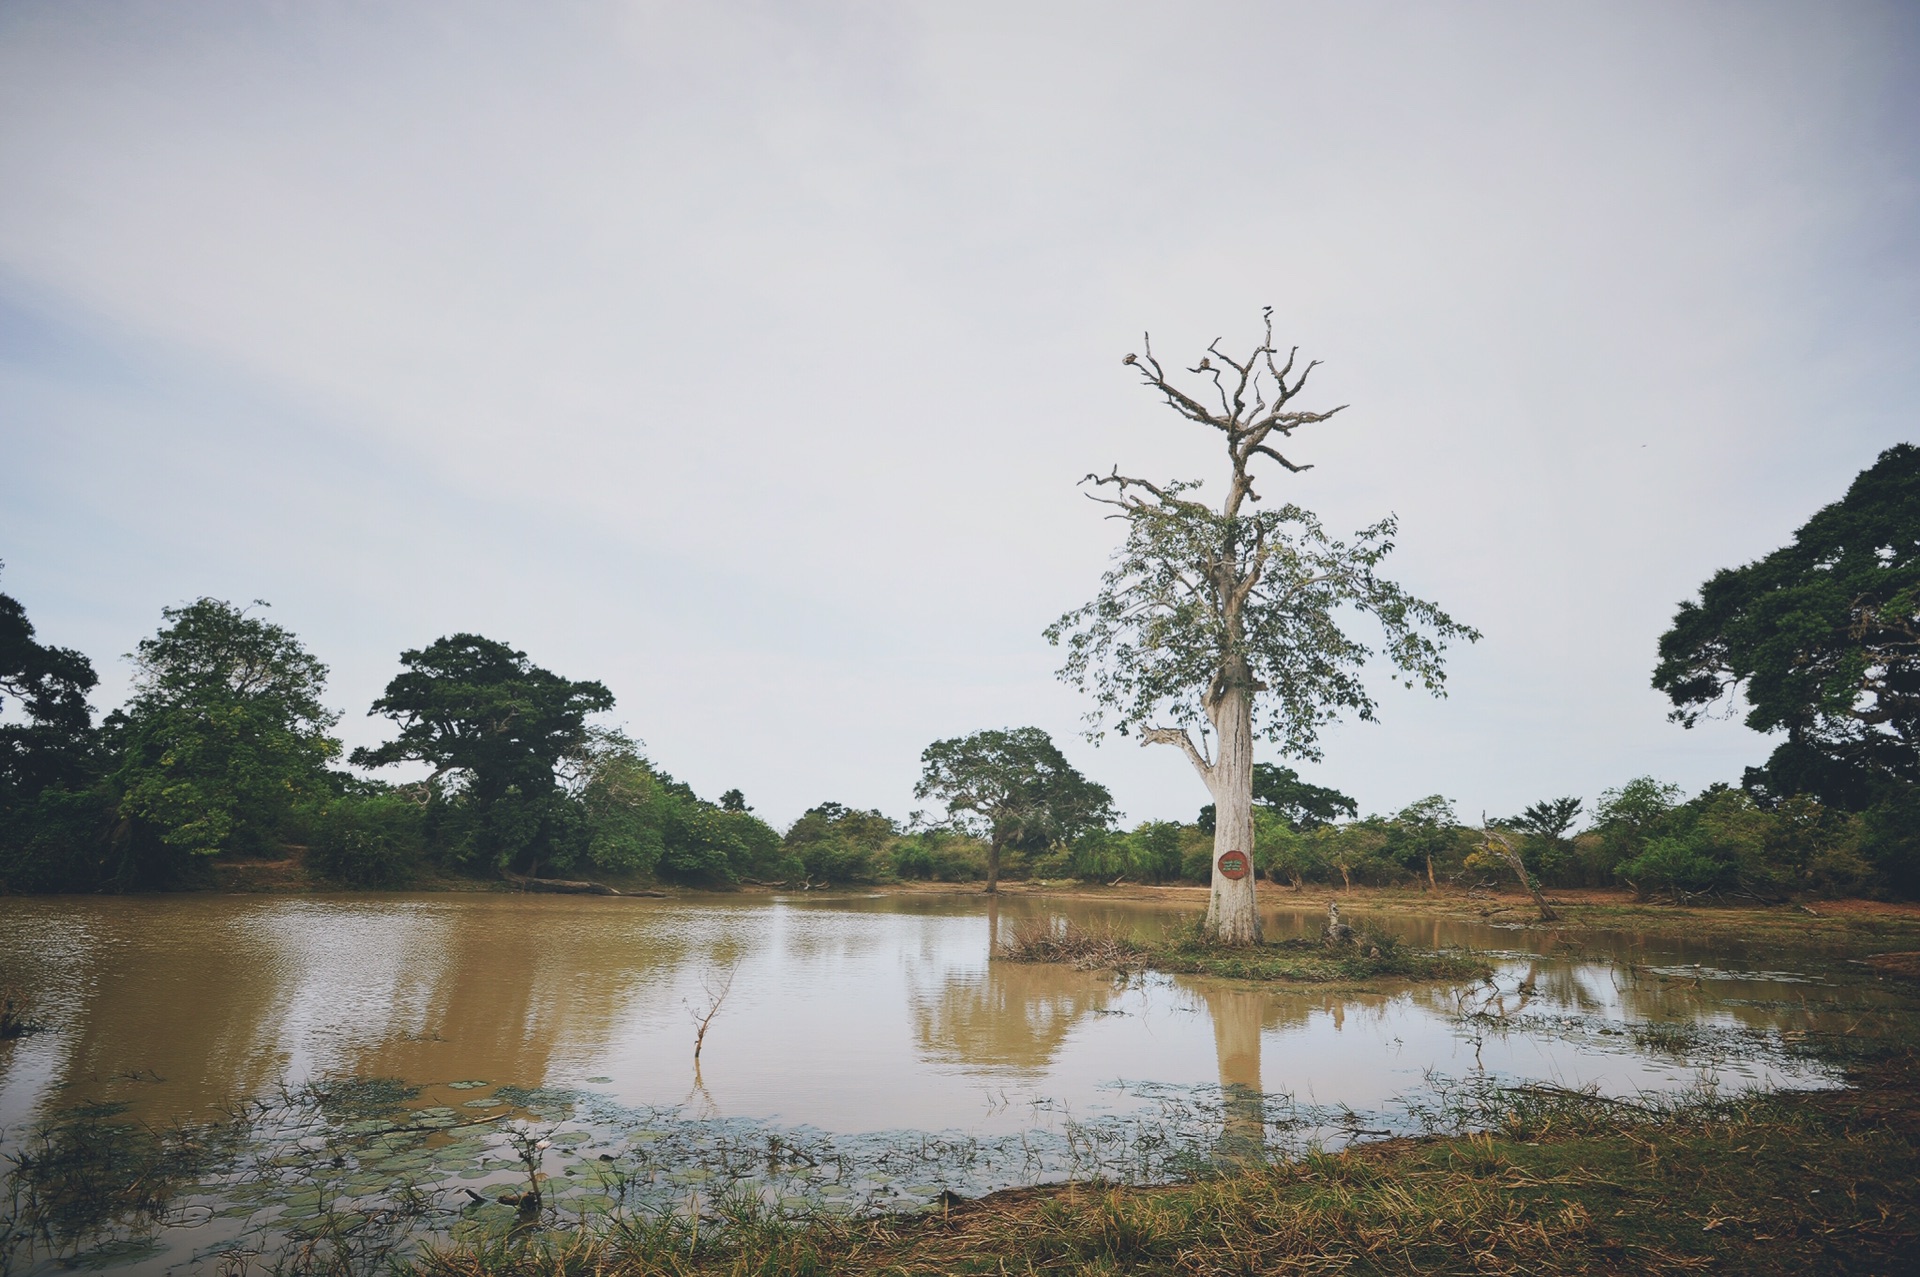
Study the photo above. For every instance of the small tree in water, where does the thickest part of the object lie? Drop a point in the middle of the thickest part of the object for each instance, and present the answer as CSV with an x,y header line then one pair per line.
x,y
1217,626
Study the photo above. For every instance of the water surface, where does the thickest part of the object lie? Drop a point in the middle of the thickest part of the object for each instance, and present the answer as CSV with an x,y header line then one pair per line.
x,y
860,1023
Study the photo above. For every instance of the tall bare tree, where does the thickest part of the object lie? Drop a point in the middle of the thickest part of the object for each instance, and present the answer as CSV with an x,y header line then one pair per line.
x,y
1215,627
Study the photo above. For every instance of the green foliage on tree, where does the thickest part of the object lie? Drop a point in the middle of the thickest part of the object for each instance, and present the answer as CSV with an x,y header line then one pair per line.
x,y
495,728
951,855
1822,640
1426,837
627,806
1629,817
46,736
836,843
1158,639
1288,854
224,742
370,837
54,814
1545,829
1216,627
1012,788
1301,805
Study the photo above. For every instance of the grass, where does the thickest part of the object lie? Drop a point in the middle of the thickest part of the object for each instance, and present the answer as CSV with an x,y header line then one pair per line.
x,y
1367,957
1850,926
1562,1182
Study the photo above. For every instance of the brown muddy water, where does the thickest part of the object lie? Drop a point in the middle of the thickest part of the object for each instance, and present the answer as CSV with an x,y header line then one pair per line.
x,y
868,1054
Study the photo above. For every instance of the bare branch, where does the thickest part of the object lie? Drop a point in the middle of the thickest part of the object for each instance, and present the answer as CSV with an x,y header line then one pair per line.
x,y
1123,482
1261,447
1178,736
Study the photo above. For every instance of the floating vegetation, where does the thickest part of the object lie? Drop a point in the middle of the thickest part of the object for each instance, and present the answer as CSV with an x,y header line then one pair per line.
x,y
92,1188
339,1175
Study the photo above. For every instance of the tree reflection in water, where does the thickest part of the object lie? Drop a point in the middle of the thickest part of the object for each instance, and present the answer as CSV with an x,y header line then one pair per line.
x,y
1237,1020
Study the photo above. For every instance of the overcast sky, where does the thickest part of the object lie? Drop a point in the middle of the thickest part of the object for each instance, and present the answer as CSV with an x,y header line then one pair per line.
x,y
746,356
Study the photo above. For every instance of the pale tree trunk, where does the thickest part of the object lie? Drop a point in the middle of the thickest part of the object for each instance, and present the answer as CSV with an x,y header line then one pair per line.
x,y
993,866
1233,915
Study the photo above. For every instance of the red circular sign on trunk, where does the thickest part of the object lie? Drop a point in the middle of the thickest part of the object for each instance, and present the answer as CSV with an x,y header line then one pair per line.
x,y
1232,864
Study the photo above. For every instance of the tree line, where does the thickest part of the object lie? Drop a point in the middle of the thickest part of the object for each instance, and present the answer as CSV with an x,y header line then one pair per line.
x,y
225,750
1214,629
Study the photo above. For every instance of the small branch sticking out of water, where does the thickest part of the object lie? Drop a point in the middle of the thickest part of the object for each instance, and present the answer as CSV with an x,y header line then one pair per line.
x,y
716,995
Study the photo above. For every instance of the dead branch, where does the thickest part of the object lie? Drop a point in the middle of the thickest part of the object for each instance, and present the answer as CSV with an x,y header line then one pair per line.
x,y
1178,736
1496,843
715,998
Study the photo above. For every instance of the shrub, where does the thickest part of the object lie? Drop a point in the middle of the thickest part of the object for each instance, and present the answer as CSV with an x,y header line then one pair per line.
x,y
944,855
370,840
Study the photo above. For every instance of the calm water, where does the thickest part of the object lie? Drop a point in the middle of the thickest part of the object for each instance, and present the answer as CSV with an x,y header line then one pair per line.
x,y
852,1021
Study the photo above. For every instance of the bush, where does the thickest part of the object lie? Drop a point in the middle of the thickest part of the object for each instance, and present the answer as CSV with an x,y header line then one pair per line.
x,y
943,855
54,841
836,843
1156,853
1890,841
1675,865
371,840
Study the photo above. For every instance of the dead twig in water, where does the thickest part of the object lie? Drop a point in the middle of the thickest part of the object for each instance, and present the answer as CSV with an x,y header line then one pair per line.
x,y
715,998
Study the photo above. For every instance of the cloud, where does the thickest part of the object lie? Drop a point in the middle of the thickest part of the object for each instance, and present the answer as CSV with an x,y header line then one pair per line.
x,y
746,356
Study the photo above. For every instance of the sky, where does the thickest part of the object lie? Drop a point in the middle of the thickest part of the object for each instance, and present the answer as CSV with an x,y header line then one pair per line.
x,y
747,356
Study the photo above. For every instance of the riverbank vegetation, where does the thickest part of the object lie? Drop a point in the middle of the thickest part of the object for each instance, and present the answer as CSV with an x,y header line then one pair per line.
x,y
1348,956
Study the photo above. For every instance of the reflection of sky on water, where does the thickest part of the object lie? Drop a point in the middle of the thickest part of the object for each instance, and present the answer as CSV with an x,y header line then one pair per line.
x,y
847,1015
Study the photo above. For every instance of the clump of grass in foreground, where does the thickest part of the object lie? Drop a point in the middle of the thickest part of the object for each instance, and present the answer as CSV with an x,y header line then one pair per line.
x,y
1365,956
1565,1183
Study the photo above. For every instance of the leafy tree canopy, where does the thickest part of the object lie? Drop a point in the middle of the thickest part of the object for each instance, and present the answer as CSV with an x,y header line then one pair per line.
x,y
1551,819
1302,805
481,714
226,733
48,687
1012,787
1170,623
1822,637
1298,803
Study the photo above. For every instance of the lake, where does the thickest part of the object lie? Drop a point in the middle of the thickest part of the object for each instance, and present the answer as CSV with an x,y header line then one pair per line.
x,y
867,1052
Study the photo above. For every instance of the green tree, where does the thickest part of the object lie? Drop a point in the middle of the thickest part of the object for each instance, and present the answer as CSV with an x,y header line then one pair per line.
x,y
1155,851
370,836
224,740
1423,832
1545,831
495,728
1301,805
1289,854
52,816
1011,788
836,843
1629,818
1215,627
710,844
1357,847
51,741
627,806
1822,639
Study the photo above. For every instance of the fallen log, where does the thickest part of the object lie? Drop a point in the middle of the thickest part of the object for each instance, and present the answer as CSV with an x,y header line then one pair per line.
x,y
568,886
